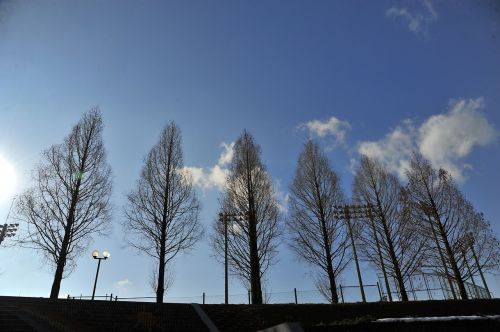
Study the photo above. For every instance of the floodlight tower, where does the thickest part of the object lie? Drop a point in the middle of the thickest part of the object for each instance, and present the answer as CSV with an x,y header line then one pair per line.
x,y
8,230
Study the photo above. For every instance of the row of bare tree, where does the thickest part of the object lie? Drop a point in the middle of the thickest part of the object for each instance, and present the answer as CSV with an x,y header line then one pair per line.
x,y
426,225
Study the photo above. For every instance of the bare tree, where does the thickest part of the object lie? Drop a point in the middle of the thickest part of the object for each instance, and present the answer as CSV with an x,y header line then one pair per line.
x,y
389,243
441,211
162,211
253,240
317,236
168,281
69,201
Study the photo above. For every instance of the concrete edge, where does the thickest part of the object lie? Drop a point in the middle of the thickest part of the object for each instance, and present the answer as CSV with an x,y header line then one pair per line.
x,y
204,317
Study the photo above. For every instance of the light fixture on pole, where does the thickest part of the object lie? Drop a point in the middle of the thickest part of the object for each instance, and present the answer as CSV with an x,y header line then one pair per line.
x,y
95,254
7,230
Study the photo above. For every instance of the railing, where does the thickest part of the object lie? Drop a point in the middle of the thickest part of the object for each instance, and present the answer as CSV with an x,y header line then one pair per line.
x,y
421,287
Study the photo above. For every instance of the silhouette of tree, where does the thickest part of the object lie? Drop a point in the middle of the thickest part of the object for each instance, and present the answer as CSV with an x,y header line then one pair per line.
x,y
389,241
162,211
317,236
441,211
69,201
252,241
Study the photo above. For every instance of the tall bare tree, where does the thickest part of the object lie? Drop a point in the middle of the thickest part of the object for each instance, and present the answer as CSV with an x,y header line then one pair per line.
x,y
253,240
440,208
69,201
316,235
163,211
389,243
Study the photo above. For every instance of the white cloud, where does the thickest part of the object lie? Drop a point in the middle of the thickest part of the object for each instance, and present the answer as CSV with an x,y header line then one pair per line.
x,y
122,285
213,177
281,197
332,126
418,19
445,139
227,155
394,150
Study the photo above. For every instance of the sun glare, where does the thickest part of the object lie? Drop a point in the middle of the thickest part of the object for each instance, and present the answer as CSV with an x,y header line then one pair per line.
x,y
7,179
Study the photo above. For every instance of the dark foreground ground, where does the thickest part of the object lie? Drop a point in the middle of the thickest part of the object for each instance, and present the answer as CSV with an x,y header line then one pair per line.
x,y
37,314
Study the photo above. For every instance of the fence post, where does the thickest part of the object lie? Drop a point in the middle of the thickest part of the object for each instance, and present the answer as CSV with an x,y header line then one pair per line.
x,y
203,297
341,294
116,298
68,296
111,297
295,292
413,290
427,287
249,302
379,291
80,296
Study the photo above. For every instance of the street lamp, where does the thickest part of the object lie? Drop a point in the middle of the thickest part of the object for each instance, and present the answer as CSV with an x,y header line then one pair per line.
x,y
95,254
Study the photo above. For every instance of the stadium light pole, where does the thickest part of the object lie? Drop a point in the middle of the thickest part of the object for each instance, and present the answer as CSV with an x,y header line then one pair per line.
x,y
95,254
225,218
347,213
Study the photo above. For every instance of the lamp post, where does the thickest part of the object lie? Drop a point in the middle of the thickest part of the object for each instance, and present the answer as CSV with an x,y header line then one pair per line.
x,y
225,218
95,254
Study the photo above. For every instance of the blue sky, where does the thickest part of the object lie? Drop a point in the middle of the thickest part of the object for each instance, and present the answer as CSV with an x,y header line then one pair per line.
x,y
379,77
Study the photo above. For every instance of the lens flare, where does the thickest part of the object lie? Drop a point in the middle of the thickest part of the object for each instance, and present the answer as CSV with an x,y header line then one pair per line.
x,y
7,179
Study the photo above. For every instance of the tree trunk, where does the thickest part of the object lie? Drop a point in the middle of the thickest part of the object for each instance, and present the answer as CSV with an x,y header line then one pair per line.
x,y
394,260
160,289
443,261
254,265
449,253
61,262
453,262
379,251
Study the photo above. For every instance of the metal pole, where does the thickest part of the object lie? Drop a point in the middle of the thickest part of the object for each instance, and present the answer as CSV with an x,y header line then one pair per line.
x,y
382,265
249,302
379,291
471,276
413,289
360,280
480,271
341,293
427,287
203,297
295,292
96,275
